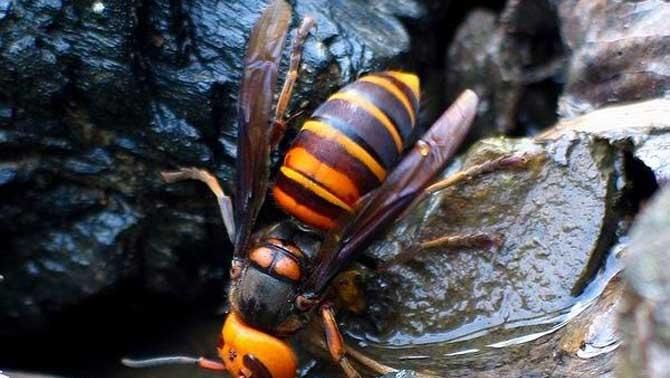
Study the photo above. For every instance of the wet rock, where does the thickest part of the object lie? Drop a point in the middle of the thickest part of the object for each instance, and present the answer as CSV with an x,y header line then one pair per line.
x,y
15,374
642,128
61,265
400,374
596,336
176,137
5,6
645,315
191,247
565,352
97,97
194,53
582,342
53,51
514,61
556,221
618,50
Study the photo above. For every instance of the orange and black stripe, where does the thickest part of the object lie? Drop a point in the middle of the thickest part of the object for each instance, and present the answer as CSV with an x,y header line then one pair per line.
x,y
347,147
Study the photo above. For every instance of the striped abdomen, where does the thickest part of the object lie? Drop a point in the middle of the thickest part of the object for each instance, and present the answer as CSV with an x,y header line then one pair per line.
x,y
347,147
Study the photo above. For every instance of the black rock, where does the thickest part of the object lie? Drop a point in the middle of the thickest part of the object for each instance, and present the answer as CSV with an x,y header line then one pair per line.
x,y
96,98
514,61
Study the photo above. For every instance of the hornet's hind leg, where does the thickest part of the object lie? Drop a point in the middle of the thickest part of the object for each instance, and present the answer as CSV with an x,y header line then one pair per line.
x,y
503,162
451,241
477,240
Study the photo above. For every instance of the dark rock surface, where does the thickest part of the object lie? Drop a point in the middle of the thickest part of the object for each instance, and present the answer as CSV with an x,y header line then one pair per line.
x,y
97,97
514,61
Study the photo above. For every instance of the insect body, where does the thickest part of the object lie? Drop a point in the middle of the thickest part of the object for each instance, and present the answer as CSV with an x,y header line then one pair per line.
x,y
342,153
347,174
347,148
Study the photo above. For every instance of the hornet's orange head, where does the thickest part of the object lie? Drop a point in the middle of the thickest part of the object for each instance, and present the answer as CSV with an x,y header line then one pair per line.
x,y
247,352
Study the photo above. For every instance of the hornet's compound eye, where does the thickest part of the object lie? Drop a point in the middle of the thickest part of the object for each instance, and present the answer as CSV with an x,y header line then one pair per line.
x,y
250,353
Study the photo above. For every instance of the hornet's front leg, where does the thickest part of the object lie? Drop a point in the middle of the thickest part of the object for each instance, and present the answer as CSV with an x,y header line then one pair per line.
x,y
291,77
225,204
335,342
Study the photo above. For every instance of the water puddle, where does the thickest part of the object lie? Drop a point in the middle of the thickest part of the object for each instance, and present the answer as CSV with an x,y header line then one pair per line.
x,y
470,342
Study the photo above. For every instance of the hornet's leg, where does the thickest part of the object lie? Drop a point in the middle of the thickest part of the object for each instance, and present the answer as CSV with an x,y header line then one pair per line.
x,y
291,77
335,342
478,240
452,241
174,360
503,162
225,204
